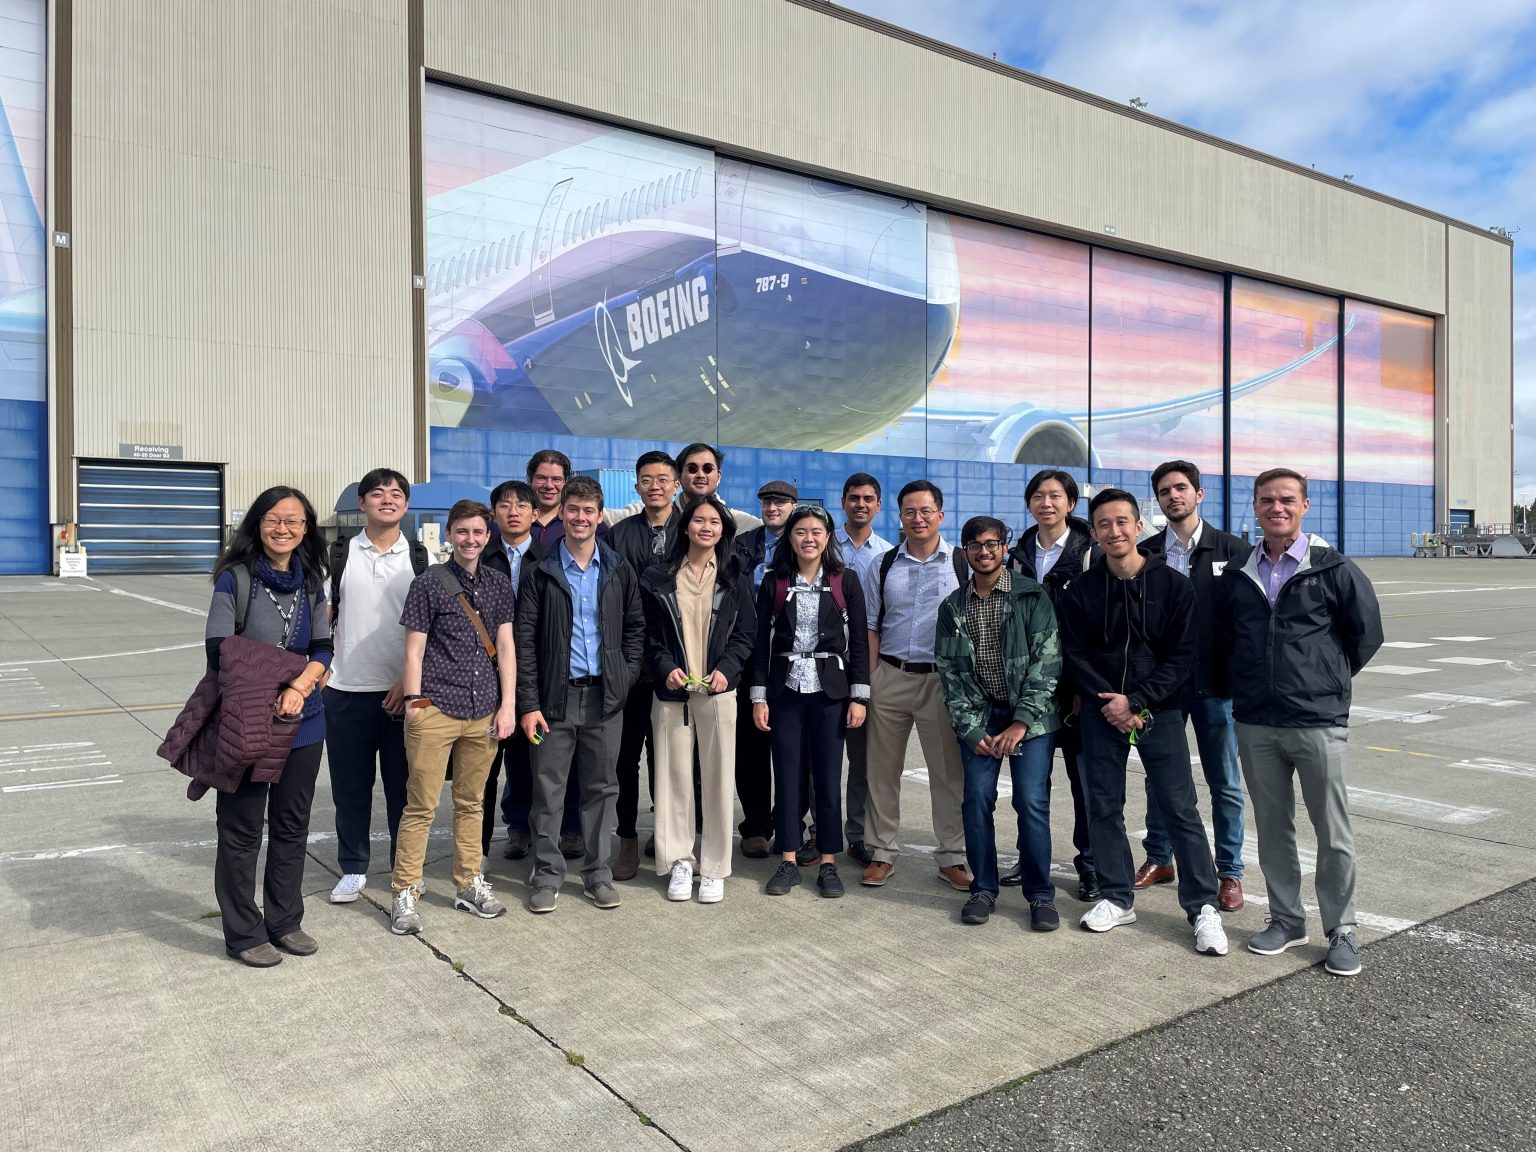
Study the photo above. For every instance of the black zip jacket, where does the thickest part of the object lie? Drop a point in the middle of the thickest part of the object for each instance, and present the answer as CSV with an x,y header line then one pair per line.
x,y
1290,666
495,556
1215,550
544,626
1137,637
631,539
1078,552
848,639
732,627
750,547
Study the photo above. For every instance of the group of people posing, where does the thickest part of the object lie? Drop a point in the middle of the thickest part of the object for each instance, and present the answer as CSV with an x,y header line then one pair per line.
x,y
746,655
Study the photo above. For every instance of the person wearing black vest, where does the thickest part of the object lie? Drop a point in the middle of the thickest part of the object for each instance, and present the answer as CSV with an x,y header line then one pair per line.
x,y
810,684
370,573
644,541
1057,549
1202,552
512,505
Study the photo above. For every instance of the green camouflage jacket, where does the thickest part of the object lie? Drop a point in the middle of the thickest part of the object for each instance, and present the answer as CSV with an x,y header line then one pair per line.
x,y
1031,660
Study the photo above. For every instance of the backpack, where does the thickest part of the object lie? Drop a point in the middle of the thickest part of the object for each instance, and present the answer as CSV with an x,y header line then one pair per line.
x,y
834,585
341,548
888,561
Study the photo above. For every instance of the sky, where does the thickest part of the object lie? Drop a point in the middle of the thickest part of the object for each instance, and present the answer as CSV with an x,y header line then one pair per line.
x,y
1429,101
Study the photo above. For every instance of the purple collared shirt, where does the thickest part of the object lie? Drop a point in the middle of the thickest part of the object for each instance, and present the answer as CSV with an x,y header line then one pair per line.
x,y
1274,575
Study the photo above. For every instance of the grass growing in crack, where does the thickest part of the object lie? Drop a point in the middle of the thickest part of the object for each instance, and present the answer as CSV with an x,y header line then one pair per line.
x,y
458,965
212,914
646,1120
575,1059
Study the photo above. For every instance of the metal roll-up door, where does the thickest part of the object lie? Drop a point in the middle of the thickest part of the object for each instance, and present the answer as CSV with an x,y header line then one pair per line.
x,y
150,517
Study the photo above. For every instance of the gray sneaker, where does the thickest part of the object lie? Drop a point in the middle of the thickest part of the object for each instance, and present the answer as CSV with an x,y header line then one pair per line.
x,y
543,899
1277,937
1343,955
603,894
403,917
476,897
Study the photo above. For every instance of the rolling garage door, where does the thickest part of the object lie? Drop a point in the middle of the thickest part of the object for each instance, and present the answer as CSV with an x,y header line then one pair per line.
x,y
150,517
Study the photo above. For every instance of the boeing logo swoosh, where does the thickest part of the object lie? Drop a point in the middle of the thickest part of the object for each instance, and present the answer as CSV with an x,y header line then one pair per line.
x,y
610,345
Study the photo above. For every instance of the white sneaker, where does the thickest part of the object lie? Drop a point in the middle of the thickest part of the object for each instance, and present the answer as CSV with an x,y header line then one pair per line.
x,y
1210,936
348,888
681,885
1106,914
711,889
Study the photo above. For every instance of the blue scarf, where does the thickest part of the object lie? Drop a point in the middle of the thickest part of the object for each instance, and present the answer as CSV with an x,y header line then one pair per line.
x,y
283,582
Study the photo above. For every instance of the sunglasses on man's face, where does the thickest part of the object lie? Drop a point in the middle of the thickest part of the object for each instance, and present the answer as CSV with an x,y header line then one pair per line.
x,y
695,469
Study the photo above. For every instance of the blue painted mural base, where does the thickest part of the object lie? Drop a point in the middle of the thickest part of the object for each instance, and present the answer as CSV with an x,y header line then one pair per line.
x,y
24,523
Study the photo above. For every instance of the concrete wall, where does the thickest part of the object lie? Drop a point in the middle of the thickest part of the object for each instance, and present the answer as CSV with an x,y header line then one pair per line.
x,y
1478,354
241,243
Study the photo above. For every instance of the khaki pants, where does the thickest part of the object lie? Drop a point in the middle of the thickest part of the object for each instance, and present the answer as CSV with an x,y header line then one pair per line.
x,y
430,738
712,723
898,701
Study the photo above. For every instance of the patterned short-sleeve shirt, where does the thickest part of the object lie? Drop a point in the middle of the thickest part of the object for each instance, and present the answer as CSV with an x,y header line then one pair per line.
x,y
456,673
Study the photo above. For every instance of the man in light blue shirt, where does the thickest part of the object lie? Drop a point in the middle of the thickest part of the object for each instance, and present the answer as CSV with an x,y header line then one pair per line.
x,y
858,545
586,644
902,592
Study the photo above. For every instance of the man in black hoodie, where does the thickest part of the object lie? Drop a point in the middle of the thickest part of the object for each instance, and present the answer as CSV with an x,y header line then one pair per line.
x,y
1129,638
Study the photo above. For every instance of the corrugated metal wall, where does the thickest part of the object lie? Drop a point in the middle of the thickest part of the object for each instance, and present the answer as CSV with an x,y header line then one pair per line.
x,y
1478,349
242,236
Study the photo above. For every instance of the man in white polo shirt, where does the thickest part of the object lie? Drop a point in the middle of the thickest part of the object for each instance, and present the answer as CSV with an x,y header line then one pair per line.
x,y
364,735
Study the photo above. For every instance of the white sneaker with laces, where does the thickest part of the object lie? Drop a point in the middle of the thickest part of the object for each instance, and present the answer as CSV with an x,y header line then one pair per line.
x,y
348,888
1106,914
681,885
1210,936
711,889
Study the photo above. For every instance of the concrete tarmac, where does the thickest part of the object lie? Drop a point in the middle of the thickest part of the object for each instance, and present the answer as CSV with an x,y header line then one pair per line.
x,y
790,1023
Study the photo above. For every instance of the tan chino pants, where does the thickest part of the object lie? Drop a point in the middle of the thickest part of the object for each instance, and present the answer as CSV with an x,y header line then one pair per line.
x,y
712,723
430,738
899,701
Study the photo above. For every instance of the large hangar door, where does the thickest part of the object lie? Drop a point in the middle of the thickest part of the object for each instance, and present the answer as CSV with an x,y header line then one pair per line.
x,y
150,517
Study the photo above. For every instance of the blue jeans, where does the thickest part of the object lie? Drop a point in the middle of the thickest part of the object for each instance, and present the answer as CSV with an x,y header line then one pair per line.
x,y
1030,768
1217,740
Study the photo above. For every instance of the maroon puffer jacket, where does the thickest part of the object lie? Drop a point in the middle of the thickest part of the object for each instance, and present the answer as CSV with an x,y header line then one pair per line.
x,y
228,724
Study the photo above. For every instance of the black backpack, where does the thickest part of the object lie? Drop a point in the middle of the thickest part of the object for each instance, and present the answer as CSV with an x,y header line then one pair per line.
x,y
342,546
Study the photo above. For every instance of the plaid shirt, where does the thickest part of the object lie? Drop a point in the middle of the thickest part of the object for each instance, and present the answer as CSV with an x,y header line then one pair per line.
x,y
984,623
455,671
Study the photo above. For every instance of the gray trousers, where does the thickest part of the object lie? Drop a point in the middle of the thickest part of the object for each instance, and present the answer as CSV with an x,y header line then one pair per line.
x,y
588,744
1317,757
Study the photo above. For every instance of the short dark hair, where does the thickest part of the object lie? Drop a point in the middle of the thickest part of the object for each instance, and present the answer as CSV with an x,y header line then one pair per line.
x,y
582,488
382,478
648,458
699,446
976,525
467,510
1279,474
928,486
549,456
1111,496
861,480
1065,479
785,562
1191,473
514,489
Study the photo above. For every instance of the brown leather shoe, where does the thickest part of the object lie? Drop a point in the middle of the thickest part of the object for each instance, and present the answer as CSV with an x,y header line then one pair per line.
x,y
957,876
1149,874
299,943
627,862
261,956
1231,897
876,873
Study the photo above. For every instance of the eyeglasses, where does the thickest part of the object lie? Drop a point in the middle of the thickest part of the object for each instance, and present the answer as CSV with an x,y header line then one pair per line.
x,y
274,525
989,547
816,510
509,505
695,469
652,483
919,513
773,500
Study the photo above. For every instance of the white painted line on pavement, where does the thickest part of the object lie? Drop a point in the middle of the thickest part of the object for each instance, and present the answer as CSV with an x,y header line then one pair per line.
x,y
1504,767
1461,591
160,603
1474,941
163,846
1360,713
108,655
1462,639
1407,644
1415,808
1398,669
1458,698
82,783
1385,924
1468,661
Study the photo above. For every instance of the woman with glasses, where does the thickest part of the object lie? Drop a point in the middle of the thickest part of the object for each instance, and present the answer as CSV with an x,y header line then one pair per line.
x,y
1055,550
277,556
699,630
810,684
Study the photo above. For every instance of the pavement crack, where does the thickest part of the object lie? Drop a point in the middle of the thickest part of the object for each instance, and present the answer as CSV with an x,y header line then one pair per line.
x,y
574,1059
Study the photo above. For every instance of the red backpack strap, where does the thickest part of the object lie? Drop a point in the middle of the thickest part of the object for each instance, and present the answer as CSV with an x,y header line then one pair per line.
x,y
780,593
835,583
